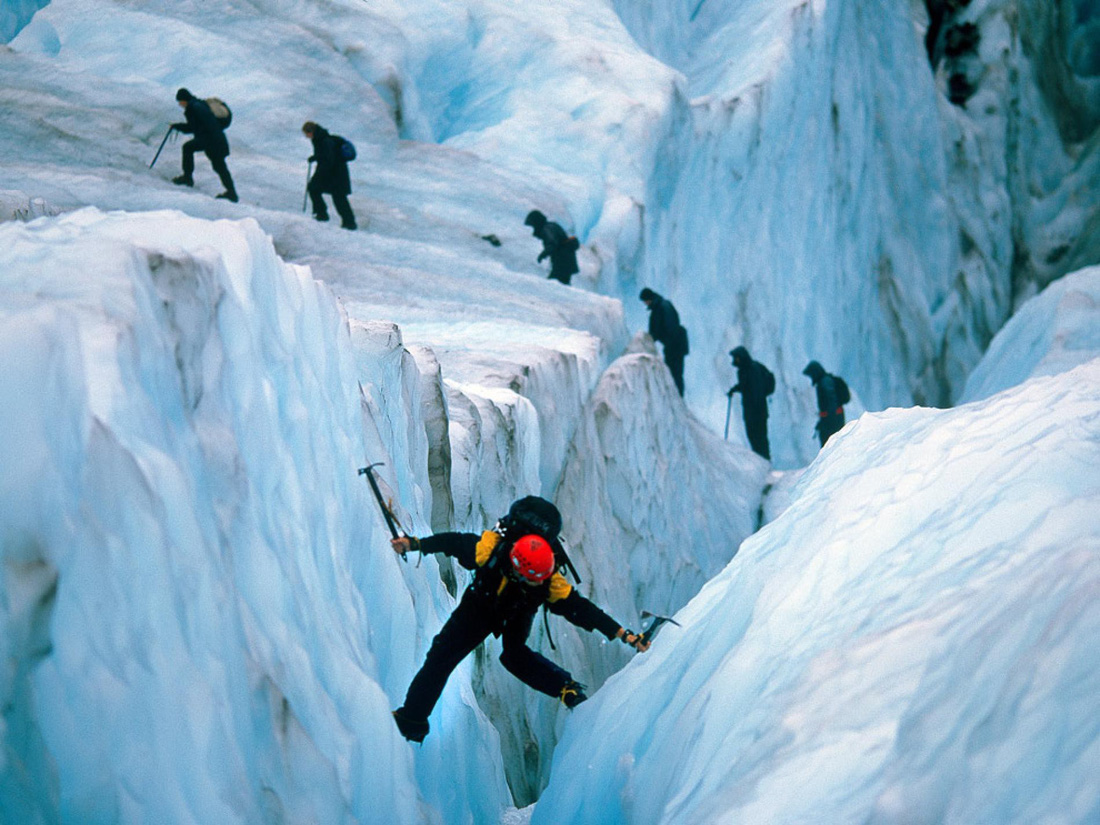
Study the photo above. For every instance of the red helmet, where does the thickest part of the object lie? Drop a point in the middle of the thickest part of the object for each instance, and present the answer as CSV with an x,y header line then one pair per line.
x,y
532,558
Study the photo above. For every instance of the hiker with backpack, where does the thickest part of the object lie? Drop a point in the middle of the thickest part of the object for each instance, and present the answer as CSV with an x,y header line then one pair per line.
x,y
832,395
516,570
755,382
559,247
209,137
332,153
665,326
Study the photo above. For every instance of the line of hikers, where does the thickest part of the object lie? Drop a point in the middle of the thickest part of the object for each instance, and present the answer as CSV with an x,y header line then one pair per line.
x,y
207,119
755,382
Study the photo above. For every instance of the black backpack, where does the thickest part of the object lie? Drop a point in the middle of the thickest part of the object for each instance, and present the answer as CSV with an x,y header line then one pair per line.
x,y
769,380
843,395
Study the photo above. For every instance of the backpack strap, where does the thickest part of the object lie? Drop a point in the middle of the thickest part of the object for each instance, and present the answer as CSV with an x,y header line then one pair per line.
x,y
559,551
546,624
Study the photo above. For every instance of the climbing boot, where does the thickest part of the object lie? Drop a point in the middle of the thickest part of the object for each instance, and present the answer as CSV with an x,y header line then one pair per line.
x,y
228,196
183,180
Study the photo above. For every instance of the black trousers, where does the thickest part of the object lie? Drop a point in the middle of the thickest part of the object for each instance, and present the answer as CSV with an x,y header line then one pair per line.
x,y
756,428
468,627
218,162
675,361
339,201
828,425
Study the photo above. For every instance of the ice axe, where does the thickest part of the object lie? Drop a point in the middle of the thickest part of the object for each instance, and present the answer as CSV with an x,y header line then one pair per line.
x,y
167,135
391,522
305,197
729,406
654,626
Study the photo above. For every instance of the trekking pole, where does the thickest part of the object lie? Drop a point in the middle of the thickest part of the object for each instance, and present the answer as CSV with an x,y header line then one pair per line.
x,y
167,135
729,406
390,521
305,197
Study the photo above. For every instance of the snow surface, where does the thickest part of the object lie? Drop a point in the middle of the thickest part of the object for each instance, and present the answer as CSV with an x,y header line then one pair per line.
x,y
1052,333
913,640
200,618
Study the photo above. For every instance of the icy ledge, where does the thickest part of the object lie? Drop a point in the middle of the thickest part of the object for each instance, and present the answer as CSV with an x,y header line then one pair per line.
x,y
914,639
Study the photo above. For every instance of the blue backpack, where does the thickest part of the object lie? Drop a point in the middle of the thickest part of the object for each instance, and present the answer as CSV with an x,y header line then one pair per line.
x,y
347,149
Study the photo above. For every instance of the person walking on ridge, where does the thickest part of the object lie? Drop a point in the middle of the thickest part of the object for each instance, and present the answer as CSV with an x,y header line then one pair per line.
x,y
665,326
516,571
209,137
560,248
755,382
832,395
330,177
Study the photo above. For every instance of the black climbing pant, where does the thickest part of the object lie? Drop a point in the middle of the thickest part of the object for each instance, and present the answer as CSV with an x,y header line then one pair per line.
x,y
757,431
828,425
468,627
339,201
675,360
217,161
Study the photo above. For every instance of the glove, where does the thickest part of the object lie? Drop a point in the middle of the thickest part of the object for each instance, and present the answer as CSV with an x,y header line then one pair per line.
x,y
632,639
312,159
543,256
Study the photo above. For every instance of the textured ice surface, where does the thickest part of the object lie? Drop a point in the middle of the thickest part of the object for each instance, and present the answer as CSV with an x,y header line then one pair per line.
x,y
912,640
1053,332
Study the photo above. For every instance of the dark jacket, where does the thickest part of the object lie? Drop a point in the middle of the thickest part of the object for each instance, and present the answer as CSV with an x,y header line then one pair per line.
x,y
664,326
557,246
205,127
504,599
332,170
753,382
828,402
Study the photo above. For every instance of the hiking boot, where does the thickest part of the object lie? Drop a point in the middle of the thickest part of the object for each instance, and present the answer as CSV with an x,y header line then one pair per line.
x,y
349,226
320,217
183,180
228,196
572,694
412,729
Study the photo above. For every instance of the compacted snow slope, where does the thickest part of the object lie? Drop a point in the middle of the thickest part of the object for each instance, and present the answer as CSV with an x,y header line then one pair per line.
x,y
913,640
